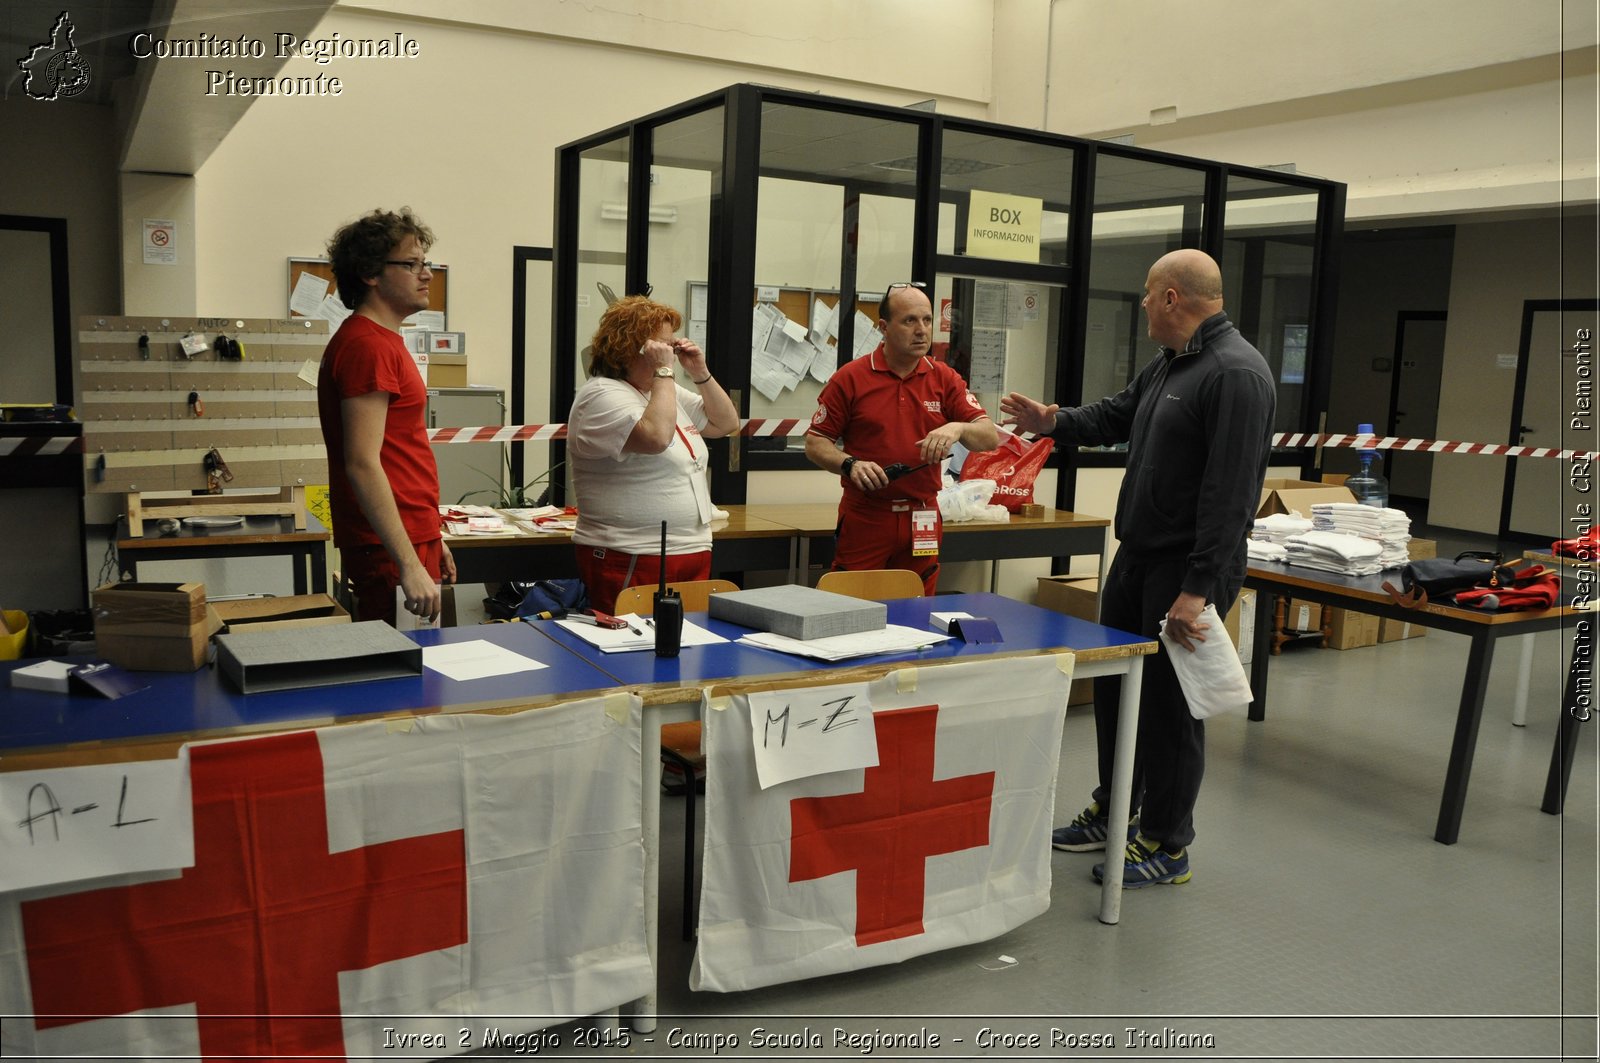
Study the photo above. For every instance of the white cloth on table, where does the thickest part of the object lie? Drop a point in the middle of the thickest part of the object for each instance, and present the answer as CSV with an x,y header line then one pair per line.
x,y
1262,550
1279,526
1341,552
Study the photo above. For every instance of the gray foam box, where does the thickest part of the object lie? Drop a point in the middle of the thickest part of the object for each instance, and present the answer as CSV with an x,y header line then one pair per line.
x,y
292,658
799,612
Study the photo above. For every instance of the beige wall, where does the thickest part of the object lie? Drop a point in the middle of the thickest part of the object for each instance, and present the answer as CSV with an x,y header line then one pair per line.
x,y
1497,267
466,135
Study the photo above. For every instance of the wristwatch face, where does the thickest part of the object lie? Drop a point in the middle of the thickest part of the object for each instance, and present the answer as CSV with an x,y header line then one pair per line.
x,y
663,371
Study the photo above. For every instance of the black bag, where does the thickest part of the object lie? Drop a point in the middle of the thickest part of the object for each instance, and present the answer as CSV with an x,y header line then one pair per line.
x,y
1439,579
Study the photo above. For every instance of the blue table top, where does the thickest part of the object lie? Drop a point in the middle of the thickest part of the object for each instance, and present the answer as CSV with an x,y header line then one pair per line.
x,y
192,702
195,703
1025,628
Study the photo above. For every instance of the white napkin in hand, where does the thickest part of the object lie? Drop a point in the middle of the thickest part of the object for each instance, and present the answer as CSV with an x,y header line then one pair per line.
x,y
1212,678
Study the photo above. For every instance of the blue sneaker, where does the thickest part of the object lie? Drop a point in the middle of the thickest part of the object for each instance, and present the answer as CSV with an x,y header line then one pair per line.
x,y
1087,832
1146,864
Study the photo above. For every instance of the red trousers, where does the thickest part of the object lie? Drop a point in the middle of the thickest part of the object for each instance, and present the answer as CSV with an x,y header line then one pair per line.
x,y
606,573
373,576
880,537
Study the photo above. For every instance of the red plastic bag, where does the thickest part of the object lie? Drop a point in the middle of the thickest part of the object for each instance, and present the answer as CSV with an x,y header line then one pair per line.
x,y
1013,466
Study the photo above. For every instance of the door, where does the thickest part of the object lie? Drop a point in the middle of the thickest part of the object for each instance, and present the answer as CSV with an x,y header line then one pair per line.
x,y
465,468
1414,398
1539,498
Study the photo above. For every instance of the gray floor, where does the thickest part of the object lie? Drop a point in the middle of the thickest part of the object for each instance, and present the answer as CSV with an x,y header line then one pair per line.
x,y
1322,919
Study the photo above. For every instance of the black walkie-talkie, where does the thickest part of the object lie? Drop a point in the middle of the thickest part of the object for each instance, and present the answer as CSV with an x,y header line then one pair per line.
x,y
668,614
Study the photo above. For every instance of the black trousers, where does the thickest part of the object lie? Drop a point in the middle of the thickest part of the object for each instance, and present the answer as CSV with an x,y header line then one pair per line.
x,y
1170,757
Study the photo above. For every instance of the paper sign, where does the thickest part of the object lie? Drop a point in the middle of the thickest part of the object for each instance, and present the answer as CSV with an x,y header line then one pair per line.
x,y
66,824
309,291
309,370
1004,226
160,242
812,731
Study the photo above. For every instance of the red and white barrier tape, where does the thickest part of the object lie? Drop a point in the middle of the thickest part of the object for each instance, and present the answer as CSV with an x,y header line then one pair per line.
x,y
793,427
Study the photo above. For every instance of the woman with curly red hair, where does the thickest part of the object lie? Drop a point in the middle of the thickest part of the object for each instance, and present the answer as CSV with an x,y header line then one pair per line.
x,y
637,443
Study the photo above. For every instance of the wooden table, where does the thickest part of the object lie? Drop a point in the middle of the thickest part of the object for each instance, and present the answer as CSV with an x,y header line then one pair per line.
x,y
1365,594
1054,533
257,536
742,542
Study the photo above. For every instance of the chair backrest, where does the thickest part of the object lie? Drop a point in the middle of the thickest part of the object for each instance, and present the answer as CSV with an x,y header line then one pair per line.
x,y
878,584
695,593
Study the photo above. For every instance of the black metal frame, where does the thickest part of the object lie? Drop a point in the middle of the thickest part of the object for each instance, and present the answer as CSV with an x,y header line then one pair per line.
x,y
732,250
520,257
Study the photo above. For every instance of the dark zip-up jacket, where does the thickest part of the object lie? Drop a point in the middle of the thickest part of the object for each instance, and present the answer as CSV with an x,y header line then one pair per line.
x,y
1198,424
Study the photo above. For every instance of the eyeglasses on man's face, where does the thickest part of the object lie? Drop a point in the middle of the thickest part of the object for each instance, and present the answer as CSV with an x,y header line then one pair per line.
x,y
412,265
904,284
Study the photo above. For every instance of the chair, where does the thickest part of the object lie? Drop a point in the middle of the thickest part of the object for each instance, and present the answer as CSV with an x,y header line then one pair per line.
x,y
680,742
877,584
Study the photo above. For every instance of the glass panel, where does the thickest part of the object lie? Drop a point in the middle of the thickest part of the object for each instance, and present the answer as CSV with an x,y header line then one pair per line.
x,y
1269,239
602,237
1142,210
999,335
836,199
686,154
1004,198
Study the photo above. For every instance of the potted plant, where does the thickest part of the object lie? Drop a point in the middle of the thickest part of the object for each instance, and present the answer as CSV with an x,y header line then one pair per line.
x,y
508,495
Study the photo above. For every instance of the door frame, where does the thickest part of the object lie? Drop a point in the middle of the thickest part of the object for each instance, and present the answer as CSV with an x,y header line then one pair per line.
x,y
1401,320
1530,307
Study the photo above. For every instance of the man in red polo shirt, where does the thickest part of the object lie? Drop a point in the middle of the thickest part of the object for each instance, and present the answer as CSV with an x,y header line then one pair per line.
x,y
895,406
383,482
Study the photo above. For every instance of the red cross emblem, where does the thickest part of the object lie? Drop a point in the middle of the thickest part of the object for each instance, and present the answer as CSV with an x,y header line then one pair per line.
x,y
259,929
886,832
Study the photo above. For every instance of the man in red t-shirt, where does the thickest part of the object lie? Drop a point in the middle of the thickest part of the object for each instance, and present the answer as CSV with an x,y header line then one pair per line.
x,y
894,406
382,479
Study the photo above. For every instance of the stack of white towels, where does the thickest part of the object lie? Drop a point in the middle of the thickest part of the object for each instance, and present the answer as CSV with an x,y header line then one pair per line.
x,y
1269,535
1389,528
1335,551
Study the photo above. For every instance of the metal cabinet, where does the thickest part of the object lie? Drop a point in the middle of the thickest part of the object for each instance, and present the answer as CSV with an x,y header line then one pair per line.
x,y
465,467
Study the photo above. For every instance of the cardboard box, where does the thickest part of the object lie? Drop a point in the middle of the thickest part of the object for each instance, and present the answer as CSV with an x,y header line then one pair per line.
x,y
1349,630
1298,496
148,609
296,610
1241,625
1077,596
1395,630
153,627
1302,615
1422,549
447,370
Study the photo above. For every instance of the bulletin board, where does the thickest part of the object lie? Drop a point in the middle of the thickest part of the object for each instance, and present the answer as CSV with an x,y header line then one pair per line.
x,y
259,412
438,289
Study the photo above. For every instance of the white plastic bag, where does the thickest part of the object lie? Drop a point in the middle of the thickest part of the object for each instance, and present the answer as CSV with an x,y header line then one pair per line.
x,y
966,500
1212,678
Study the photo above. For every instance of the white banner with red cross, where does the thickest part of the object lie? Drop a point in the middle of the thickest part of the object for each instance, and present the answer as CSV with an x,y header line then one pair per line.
x,y
944,842
357,891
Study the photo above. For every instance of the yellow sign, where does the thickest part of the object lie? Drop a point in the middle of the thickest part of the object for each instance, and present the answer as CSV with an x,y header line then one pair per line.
x,y
1002,226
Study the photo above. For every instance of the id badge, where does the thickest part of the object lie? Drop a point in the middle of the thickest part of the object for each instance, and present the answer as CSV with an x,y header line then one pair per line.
x,y
925,533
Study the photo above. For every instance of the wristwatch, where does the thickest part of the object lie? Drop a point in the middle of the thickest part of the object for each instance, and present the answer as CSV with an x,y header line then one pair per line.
x,y
846,466
663,371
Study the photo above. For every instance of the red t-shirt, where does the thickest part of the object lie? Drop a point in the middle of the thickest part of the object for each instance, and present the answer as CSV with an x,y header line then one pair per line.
x,y
879,417
364,357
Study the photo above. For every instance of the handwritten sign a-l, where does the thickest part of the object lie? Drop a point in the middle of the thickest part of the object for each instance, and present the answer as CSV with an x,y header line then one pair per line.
x,y
66,824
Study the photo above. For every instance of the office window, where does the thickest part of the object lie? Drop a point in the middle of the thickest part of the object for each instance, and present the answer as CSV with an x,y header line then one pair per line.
x,y
835,227
684,154
1142,210
1004,198
1268,252
602,258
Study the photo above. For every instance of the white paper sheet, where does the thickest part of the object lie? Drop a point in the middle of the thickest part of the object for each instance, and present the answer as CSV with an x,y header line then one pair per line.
x,y
641,636
65,824
894,638
807,731
309,291
478,659
332,309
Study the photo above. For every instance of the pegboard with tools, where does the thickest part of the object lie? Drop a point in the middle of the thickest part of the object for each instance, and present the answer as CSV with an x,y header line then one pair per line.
x,y
200,403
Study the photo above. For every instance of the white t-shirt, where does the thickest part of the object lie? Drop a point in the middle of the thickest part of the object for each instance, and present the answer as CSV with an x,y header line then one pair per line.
x,y
624,497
